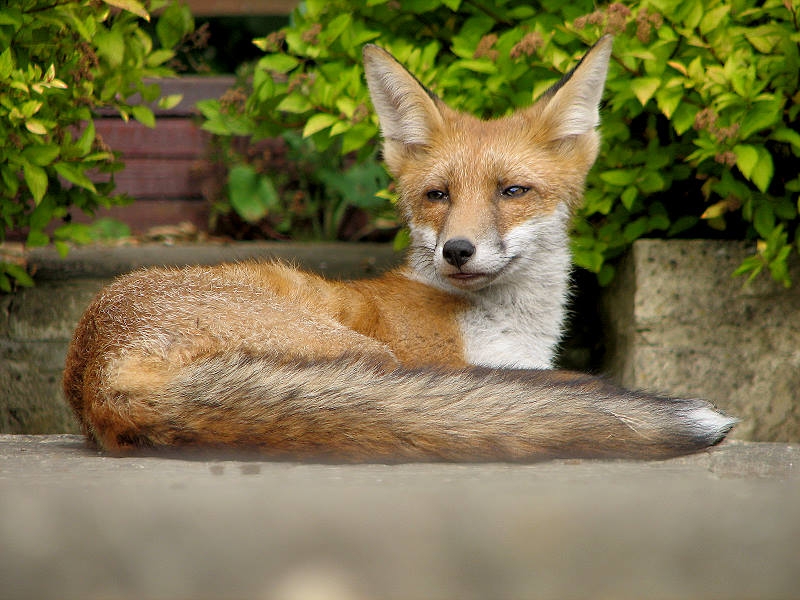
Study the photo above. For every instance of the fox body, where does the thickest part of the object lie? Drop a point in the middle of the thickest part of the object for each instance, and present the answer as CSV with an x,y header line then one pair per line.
x,y
445,358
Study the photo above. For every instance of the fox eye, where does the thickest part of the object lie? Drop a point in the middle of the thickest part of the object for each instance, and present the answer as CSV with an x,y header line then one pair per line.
x,y
437,195
515,191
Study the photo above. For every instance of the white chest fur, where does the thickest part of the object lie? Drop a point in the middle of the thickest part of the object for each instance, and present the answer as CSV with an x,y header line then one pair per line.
x,y
517,322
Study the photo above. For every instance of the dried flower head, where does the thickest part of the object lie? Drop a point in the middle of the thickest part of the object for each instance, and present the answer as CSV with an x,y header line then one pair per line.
x,y
528,45
485,47
311,35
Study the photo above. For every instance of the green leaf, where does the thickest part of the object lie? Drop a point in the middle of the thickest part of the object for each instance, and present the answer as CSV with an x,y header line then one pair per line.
x,y
111,46
620,177
6,63
36,179
252,195
764,170
317,123
683,118
79,233
11,16
714,18
294,103
19,274
36,126
159,57
86,141
278,63
668,100
131,6
10,178
109,229
629,196
169,102
337,25
357,136
62,248
746,159
635,229
477,65
41,155
173,24
644,88
74,174
764,220
144,115
787,136
37,238
762,115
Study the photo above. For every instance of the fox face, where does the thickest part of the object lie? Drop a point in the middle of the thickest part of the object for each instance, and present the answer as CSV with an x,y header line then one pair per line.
x,y
484,199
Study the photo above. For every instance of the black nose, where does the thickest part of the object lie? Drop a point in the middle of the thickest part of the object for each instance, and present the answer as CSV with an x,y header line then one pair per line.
x,y
458,251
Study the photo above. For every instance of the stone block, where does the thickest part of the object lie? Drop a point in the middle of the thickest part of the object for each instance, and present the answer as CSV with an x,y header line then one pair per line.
x,y
679,323
30,380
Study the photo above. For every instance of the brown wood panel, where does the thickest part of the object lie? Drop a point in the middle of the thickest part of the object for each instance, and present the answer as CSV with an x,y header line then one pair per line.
x,y
192,87
171,138
241,7
143,215
160,179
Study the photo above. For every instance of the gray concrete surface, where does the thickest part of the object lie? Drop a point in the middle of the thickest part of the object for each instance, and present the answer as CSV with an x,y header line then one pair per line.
x,y
77,524
680,323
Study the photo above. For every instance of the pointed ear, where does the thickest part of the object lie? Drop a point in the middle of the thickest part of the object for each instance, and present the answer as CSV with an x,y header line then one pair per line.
x,y
407,111
571,107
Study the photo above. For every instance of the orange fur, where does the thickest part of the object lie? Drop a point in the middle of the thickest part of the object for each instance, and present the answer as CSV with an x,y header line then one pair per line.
x,y
440,359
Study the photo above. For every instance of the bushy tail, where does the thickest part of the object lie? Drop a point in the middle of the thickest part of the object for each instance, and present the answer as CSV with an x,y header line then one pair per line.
x,y
352,411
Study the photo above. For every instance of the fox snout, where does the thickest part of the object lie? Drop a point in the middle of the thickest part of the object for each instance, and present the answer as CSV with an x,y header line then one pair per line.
x,y
458,251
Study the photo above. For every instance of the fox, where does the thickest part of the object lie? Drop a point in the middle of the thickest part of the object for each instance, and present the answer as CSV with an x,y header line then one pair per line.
x,y
448,357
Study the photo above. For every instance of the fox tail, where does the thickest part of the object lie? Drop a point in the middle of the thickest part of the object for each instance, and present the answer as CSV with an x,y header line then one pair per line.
x,y
352,410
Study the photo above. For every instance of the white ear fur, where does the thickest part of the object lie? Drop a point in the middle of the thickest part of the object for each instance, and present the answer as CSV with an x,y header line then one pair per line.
x,y
406,110
573,103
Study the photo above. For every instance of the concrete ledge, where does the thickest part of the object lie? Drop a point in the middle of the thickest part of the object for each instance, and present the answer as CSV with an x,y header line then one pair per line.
x,y
36,324
679,323
76,524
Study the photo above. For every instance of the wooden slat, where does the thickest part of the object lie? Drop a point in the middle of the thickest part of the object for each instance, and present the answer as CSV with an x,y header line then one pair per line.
x,y
241,7
143,215
192,87
160,179
171,138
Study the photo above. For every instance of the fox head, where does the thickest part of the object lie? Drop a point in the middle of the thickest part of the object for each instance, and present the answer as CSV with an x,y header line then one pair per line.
x,y
482,198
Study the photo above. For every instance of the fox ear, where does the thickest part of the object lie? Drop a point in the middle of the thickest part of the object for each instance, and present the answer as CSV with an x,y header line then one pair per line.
x,y
407,111
571,107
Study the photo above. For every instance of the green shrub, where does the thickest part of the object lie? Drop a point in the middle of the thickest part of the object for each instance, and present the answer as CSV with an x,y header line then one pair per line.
x,y
700,127
60,62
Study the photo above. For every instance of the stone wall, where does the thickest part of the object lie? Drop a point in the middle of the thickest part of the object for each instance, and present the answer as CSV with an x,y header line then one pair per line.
x,y
676,322
681,324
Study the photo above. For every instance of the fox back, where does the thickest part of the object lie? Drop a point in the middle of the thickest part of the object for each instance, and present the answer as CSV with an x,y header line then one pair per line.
x,y
444,358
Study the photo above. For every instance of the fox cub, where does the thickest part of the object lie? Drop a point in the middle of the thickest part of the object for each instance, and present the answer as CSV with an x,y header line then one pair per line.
x,y
445,358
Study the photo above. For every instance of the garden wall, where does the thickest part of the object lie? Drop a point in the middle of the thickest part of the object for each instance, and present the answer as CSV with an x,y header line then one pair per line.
x,y
678,322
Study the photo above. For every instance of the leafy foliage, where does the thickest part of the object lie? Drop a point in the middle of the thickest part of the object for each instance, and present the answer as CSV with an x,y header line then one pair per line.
x,y
287,187
60,62
700,130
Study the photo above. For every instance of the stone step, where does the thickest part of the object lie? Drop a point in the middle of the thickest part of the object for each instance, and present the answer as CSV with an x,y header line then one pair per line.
x,y
77,524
